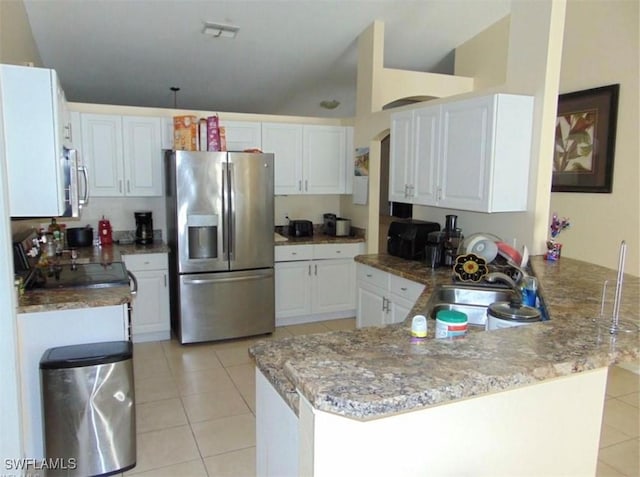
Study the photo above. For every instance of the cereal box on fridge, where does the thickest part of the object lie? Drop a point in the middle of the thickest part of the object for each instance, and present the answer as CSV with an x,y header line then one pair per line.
x,y
185,133
223,138
213,134
202,135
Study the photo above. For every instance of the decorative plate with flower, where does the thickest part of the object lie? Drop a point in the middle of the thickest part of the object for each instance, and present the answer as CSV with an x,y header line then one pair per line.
x,y
470,268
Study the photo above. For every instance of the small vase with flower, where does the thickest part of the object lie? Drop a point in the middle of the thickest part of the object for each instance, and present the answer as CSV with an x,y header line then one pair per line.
x,y
554,248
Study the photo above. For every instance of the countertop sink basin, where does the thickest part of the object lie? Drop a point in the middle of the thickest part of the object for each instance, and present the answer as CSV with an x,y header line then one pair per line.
x,y
469,299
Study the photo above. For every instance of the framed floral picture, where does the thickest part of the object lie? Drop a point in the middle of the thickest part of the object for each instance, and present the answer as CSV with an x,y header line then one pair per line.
x,y
585,139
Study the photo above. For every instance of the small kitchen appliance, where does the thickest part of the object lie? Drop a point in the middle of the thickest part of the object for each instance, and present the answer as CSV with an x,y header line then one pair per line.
x,y
336,226
504,314
329,224
435,248
453,237
80,237
144,227
300,228
408,239
104,232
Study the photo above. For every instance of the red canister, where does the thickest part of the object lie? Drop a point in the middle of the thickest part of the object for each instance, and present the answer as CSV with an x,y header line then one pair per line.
x,y
104,232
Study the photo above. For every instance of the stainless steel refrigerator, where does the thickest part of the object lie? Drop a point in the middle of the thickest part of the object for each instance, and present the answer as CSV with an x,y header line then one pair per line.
x,y
220,232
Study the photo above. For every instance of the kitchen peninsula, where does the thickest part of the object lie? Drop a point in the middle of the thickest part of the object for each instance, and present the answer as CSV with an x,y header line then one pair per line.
x,y
525,400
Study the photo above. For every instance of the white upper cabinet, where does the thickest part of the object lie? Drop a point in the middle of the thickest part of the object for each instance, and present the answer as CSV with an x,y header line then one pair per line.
x,y
414,142
123,154
309,159
241,135
323,159
471,154
285,142
142,156
485,153
36,127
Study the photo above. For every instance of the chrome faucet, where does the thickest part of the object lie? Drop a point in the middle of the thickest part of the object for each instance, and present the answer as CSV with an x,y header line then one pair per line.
x,y
515,285
516,295
494,277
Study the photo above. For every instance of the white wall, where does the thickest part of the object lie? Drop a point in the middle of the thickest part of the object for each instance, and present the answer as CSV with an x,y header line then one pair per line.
x,y
10,410
16,41
16,46
307,207
601,48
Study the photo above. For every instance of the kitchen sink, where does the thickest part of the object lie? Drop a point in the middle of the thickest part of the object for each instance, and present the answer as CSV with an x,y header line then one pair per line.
x,y
469,299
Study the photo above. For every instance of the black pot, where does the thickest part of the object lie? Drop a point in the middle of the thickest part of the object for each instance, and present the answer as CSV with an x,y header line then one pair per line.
x,y
80,237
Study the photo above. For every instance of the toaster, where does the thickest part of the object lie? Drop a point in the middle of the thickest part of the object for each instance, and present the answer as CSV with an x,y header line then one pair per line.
x,y
336,226
300,228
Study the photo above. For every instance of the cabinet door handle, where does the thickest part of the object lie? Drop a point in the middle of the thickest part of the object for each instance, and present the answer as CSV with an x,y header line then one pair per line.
x,y
316,270
165,280
120,186
309,269
369,275
384,301
300,186
306,185
403,288
128,186
338,251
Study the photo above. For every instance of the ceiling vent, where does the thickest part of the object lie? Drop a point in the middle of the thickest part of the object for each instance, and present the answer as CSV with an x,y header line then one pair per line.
x,y
219,30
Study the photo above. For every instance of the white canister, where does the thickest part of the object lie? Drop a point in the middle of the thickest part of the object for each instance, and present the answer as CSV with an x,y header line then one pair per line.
x,y
451,324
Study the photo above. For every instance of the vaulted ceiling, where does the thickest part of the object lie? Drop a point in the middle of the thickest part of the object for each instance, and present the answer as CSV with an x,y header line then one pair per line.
x,y
286,58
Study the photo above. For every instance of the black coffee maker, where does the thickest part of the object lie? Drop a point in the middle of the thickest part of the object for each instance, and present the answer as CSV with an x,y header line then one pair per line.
x,y
144,227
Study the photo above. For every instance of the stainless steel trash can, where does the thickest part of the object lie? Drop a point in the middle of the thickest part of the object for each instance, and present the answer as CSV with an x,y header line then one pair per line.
x,y
89,409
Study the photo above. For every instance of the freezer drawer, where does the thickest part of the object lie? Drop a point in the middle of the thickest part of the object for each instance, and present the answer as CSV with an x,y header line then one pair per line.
x,y
217,306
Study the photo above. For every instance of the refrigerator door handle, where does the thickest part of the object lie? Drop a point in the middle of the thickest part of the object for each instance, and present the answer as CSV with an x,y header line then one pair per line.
x,y
204,281
232,211
225,221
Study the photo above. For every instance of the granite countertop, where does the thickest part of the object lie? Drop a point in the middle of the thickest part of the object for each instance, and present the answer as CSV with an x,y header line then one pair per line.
x,y
375,372
33,301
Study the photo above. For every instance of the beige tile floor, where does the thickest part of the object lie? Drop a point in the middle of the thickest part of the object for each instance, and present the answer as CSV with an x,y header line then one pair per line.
x,y
196,409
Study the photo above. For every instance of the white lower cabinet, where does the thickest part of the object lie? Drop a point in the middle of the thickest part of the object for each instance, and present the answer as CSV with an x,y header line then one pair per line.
x,y
150,308
383,298
277,435
315,282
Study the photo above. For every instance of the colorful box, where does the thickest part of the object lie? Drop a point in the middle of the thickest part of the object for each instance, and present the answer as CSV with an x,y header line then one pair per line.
x,y
213,134
223,138
185,133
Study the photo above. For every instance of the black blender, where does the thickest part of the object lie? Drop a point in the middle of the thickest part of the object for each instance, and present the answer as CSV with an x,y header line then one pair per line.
x,y
144,227
452,238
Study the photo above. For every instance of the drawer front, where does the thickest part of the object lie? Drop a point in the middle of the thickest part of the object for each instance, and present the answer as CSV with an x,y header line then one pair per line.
x,y
404,288
146,261
373,276
289,253
337,250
